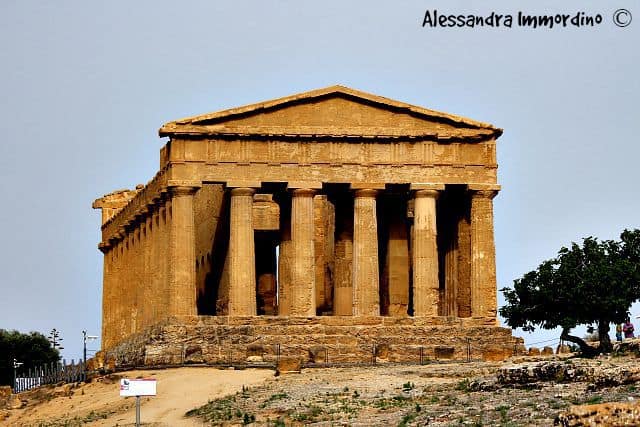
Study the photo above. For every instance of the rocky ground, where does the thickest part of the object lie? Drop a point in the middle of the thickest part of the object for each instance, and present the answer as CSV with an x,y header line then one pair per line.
x,y
525,393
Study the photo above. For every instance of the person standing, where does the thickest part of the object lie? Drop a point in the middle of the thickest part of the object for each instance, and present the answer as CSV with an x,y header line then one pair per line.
x,y
619,332
627,328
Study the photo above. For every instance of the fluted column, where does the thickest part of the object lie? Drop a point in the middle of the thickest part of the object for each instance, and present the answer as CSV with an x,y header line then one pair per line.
x,y
426,286
366,297
284,261
483,254
242,268
451,279
343,286
182,253
343,255
303,290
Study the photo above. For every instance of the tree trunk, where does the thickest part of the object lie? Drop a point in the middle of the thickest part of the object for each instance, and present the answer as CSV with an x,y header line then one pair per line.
x,y
605,339
585,349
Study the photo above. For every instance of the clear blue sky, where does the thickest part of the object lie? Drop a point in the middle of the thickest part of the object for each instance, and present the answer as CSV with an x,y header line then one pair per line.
x,y
84,86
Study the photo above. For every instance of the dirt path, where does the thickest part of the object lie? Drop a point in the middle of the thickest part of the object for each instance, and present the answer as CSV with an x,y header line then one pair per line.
x,y
179,390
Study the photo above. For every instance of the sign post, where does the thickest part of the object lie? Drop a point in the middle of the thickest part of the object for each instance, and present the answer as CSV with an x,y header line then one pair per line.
x,y
137,411
138,387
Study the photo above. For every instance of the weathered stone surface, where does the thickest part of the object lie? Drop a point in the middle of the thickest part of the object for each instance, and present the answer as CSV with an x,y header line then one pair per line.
x,y
307,338
534,351
283,208
366,298
563,349
266,213
5,393
546,351
425,254
613,414
318,354
568,371
14,402
193,354
628,346
287,365
542,371
444,352
382,351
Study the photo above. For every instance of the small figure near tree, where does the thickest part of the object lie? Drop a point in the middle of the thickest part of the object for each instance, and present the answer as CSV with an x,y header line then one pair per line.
x,y
618,332
590,284
627,328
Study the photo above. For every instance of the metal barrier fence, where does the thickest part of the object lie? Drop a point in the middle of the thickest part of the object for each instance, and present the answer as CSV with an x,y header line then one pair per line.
x,y
52,373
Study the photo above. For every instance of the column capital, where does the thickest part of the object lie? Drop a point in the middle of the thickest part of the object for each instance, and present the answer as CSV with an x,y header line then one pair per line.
x,y
426,193
243,191
366,192
302,192
183,190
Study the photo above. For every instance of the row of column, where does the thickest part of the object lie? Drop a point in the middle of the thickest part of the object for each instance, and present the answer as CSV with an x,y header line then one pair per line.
x,y
297,294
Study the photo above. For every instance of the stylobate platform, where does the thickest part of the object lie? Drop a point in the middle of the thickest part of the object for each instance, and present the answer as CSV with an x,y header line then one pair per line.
x,y
331,339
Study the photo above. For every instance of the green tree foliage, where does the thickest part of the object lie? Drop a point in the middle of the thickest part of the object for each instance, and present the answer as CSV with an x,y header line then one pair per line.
x,y
31,349
590,284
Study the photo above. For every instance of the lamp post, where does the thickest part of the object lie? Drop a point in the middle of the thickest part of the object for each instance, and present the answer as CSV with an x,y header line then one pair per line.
x,y
86,337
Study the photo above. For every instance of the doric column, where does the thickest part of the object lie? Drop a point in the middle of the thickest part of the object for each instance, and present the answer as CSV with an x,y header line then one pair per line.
x,y
284,260
366,297
242,268
451,279
424,251
302,299
343,255
182,253
483,253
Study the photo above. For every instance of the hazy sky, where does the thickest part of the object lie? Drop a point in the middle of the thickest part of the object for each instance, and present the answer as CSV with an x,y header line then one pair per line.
x,y
84,87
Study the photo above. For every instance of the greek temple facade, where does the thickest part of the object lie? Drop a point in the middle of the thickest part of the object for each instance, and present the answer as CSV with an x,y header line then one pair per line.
x,y
334,206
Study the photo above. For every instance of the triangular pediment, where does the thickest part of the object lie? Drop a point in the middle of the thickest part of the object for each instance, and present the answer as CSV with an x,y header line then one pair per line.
x,y
335,111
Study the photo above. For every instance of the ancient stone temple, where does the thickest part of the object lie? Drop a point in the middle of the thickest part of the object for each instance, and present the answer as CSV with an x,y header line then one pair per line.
x,y
329,222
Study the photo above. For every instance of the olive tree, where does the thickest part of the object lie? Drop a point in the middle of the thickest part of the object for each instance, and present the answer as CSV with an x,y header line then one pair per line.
x,y
592,284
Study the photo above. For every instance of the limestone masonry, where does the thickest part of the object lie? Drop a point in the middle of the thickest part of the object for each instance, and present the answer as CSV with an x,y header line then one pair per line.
x,y
325,223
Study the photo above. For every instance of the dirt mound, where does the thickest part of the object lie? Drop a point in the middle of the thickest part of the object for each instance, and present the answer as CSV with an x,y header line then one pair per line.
x,y
99,403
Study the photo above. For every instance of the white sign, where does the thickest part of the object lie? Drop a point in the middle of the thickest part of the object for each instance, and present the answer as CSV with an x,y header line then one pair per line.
x,y
138,387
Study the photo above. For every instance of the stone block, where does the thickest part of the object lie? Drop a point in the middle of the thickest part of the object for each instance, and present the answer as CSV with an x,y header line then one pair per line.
x,y
440,352
318,354
563,349
533,351
383,351
495,353
288,365
547,351
265,212
193,354
110,364
255,353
